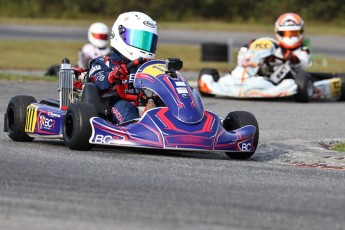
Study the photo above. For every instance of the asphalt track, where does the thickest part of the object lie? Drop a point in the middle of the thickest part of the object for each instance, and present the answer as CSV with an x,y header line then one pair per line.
x,y
292,181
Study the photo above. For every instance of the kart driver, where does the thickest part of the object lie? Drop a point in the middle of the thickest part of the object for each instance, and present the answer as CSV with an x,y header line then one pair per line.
x,y
134,35
289,31
98,45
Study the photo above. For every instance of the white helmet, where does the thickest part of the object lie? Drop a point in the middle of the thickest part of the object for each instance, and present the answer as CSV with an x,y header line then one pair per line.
x,y
134,35
289,29
99,35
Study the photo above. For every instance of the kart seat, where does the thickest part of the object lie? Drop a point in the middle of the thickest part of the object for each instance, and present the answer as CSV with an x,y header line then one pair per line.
x,y
50,102
92,95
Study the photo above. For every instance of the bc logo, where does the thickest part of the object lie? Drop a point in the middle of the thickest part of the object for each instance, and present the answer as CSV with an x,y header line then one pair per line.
x,y
46,123
245,146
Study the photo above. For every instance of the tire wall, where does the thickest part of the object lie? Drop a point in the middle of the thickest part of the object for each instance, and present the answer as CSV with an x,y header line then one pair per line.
x,y
217,52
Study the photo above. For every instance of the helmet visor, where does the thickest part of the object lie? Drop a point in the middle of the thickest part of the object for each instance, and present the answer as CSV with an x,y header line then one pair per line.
x,y
140,39
290,33
100,36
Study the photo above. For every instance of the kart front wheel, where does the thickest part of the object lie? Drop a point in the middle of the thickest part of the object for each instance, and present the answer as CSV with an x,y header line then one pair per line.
x,y
15,118
305,87
215,76
76,127
236,120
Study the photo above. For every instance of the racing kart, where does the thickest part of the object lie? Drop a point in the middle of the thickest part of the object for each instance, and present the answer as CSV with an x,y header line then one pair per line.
x,y
180,123
251,78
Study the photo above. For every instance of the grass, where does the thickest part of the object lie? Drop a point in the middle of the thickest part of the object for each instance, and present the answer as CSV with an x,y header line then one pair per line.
x,y
39,55
26,78
339,147
33,54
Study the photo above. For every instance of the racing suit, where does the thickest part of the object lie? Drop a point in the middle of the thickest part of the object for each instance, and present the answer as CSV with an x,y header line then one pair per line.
x,y
89,52
121,110
299,57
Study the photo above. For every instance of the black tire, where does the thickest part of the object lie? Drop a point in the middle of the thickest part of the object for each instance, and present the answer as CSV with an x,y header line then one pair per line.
x,y
76,127
236,120
305,87
15,118
214,52
52,71
318,76
342,96
215,75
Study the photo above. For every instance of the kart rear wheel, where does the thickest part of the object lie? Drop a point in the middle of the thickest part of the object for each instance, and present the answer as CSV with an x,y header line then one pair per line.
x,y
15,118
215,76
305,88
236,120
342,77
76,127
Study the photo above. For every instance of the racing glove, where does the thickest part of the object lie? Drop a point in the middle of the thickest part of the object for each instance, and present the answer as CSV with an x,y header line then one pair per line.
x,y
294,59
119,74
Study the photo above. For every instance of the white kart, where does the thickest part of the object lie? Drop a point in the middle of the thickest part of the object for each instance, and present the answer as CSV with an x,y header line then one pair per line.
x,y
251,78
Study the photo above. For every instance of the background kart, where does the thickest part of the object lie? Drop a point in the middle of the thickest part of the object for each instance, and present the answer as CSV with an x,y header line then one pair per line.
x,y
250,79
180,124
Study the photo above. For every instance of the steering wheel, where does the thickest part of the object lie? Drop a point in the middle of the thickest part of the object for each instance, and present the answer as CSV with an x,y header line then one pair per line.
x,y
121,88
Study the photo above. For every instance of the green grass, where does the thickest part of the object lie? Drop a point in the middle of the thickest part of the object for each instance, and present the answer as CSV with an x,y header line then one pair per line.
x,y
39,55
26,78
33,54
339,147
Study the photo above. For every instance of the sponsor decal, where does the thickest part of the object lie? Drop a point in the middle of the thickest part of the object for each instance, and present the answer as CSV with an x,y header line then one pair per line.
x,y
149,24
52,114
94,68
180,83
155,70
182,90
132,91
103,139
245,146
46,123
336,87
117,114
261,44
131,78
100,76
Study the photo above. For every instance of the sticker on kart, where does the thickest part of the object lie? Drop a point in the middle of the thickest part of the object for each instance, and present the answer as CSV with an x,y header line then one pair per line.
x,y
261,44
31,118
335,85
155,70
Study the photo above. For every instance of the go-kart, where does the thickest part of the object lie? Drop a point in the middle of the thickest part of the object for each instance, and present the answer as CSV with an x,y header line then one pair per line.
x,y
252,79
180,123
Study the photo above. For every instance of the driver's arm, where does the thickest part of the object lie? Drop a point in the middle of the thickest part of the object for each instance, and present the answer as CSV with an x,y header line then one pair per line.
x,y
301,59
99,73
